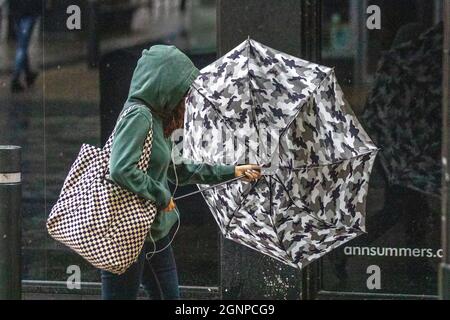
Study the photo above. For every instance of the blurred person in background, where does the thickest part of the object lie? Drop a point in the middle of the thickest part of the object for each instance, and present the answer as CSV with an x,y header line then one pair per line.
x,y
2,3
25,14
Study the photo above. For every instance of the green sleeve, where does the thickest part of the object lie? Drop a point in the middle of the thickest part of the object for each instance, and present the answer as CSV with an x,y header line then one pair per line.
x,y
126,151
190,173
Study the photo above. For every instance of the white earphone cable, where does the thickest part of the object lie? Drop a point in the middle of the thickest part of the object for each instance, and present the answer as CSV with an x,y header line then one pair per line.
x,y
149,255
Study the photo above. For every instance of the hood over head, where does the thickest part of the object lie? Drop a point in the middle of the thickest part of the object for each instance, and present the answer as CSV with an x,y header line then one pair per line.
x,y
162,77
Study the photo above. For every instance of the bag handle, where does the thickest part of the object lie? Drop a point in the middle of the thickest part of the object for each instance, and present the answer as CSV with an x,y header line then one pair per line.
x,y
146,151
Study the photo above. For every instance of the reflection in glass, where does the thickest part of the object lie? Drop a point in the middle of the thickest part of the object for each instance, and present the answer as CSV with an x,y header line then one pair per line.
x,y
51,125
398,99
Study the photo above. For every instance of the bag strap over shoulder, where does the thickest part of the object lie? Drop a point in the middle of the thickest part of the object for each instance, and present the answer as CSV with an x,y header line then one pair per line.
x,y
146,151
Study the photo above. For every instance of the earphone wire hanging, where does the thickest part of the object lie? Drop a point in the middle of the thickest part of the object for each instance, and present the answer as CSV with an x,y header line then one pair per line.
x,y
149,255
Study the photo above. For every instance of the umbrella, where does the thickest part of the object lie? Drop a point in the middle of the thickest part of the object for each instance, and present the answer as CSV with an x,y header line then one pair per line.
x,y
403,112
259,105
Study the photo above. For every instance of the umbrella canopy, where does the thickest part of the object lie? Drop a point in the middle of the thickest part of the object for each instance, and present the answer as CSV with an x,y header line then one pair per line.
x,y
259,105
403,113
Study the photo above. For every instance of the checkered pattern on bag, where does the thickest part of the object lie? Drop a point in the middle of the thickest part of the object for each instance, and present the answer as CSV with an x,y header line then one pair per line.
x,y
103,222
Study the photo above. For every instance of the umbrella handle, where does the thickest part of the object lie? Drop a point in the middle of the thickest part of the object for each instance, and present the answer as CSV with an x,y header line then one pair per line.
x,y
209,188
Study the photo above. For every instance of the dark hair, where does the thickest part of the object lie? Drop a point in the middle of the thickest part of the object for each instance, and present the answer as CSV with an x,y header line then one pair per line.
x,y
175,120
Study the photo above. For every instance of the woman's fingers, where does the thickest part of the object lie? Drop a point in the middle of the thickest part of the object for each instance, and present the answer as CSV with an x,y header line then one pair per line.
x,y
252,175
251,172
255,172
170,206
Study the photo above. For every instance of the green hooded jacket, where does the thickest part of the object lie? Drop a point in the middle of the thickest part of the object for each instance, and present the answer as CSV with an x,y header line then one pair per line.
x,y
162,77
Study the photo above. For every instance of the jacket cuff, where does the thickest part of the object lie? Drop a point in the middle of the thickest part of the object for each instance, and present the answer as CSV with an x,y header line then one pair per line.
x,y
227,172
164,200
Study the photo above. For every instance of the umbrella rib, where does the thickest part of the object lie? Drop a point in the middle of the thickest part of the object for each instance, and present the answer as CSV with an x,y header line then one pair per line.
x,y
293,202
300,106
250,90
312,93
329,164
241,203
270,215
214,108
271,218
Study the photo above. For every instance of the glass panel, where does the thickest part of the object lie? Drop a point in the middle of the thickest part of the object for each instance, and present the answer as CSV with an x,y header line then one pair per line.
x,y
392,78
22,123
60,112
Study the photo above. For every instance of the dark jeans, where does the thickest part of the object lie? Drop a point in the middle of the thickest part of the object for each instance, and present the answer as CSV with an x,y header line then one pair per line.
x,y
158,276
24,28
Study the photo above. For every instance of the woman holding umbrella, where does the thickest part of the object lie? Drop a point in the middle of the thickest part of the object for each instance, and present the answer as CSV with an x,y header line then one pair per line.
x,y
159,85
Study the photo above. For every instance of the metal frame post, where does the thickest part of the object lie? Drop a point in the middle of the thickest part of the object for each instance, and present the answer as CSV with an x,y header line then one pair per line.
x,y
10,223
444,272
93,41
311,49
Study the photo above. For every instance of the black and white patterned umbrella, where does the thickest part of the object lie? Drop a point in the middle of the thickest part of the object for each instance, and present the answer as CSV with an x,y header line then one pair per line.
x,y
259,105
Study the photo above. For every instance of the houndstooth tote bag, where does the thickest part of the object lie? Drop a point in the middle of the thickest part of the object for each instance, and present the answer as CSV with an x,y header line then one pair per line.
x,y
103,222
